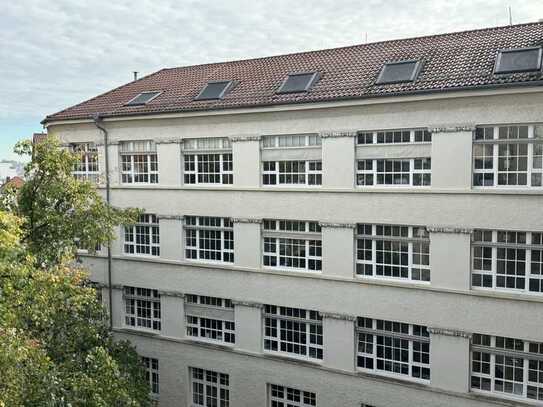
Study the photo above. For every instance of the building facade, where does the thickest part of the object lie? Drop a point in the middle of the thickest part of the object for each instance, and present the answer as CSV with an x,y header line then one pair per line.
x,y
372,251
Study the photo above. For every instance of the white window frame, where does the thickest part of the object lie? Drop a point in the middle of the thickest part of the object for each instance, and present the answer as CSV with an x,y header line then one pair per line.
x,y
412,172
88,167
148,226
495,142
308,173
200,230
411,240
137,301
309,237
290,396
370,137
144,150
370,340
216,389
481,249
152,374
310,326
198,151
291,141
195,324
484,348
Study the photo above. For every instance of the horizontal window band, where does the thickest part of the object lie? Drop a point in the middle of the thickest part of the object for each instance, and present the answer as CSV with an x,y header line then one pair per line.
x,y
218,228
393,335
394,239
293,319
221,314
294,235
506,352
510,141
508,245
204,152
136,297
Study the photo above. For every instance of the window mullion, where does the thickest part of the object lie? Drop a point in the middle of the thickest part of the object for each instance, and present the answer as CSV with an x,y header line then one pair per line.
x,y
494,260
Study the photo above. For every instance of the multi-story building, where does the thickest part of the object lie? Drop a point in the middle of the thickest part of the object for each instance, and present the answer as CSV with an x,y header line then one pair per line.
x,y
359,226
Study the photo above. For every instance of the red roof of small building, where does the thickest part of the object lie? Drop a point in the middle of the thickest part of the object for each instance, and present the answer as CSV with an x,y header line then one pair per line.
x,y
15,182
461,60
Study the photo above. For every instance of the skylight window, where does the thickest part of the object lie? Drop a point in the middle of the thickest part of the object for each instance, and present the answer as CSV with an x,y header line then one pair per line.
x,y
143,98
398,72
518,60
214,90
298,82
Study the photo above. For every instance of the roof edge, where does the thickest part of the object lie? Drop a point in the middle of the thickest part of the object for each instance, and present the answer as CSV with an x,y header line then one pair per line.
x,y
445,92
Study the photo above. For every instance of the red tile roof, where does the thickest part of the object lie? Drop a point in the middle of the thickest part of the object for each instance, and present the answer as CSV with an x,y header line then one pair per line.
x,y
15,182
450,62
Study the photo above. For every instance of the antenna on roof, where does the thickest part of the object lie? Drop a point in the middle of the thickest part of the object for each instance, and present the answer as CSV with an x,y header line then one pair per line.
x,y
135,75
510,16
366,40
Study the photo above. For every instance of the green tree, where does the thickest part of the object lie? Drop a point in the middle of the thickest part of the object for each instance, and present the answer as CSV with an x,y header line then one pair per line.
x,y
56,348
60,213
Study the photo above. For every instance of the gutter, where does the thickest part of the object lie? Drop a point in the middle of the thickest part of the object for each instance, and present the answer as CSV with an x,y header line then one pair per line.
x,y
97,119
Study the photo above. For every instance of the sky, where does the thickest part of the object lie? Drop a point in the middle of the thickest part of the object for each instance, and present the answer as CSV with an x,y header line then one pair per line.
x,y
56,53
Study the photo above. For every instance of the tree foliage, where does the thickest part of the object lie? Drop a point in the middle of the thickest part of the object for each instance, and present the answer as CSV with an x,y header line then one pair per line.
x,y
60,213
56,348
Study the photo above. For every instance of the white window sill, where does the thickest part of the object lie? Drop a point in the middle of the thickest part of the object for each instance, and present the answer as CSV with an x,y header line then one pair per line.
x,y
290,356
393,376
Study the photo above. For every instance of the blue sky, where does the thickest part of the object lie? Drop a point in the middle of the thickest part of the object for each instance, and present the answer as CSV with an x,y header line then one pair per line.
x,y
56,53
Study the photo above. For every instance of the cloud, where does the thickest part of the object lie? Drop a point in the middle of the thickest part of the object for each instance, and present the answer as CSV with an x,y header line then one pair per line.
x,y
56,53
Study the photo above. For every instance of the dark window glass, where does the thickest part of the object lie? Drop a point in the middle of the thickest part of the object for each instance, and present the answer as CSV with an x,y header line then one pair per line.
x,y
396,72
518,60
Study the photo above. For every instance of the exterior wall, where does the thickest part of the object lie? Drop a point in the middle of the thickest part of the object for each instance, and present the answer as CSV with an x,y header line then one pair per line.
x,y
450,209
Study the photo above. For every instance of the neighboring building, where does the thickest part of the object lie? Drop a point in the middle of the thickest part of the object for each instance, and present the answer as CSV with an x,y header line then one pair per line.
x,y
15,182
8,170
360,226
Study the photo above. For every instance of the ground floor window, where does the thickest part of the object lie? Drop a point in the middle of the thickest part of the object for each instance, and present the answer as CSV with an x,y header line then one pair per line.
x,y
151,375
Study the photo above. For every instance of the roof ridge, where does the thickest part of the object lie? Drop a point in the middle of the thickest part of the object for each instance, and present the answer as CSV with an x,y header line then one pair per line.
x,y
105,93
500,27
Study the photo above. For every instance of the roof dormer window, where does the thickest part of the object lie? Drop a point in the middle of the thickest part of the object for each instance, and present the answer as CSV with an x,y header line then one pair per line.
x,y
298,82
143,98
214,90
398,72
518,60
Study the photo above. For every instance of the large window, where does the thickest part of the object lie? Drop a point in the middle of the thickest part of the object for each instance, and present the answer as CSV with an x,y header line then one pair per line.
x,y
507,366
139,162
294,172
209,238
394,136
142,308
507,260
393,251
294,159
282,396
143,237
396,172
293,331
292,244
209,388
508,156
86,167
393,348
207,161
152,375
210,318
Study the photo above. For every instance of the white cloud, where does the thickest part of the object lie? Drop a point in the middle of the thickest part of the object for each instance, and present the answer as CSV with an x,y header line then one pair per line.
x,y
56,53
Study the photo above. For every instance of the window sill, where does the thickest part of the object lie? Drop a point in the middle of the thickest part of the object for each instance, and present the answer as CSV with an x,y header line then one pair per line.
x,y
291,270
220,344
293,358
503,398
468,190
139,331
393,280
398,377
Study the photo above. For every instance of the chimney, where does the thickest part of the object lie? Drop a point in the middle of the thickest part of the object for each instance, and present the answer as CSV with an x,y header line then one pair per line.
x,y
135,75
